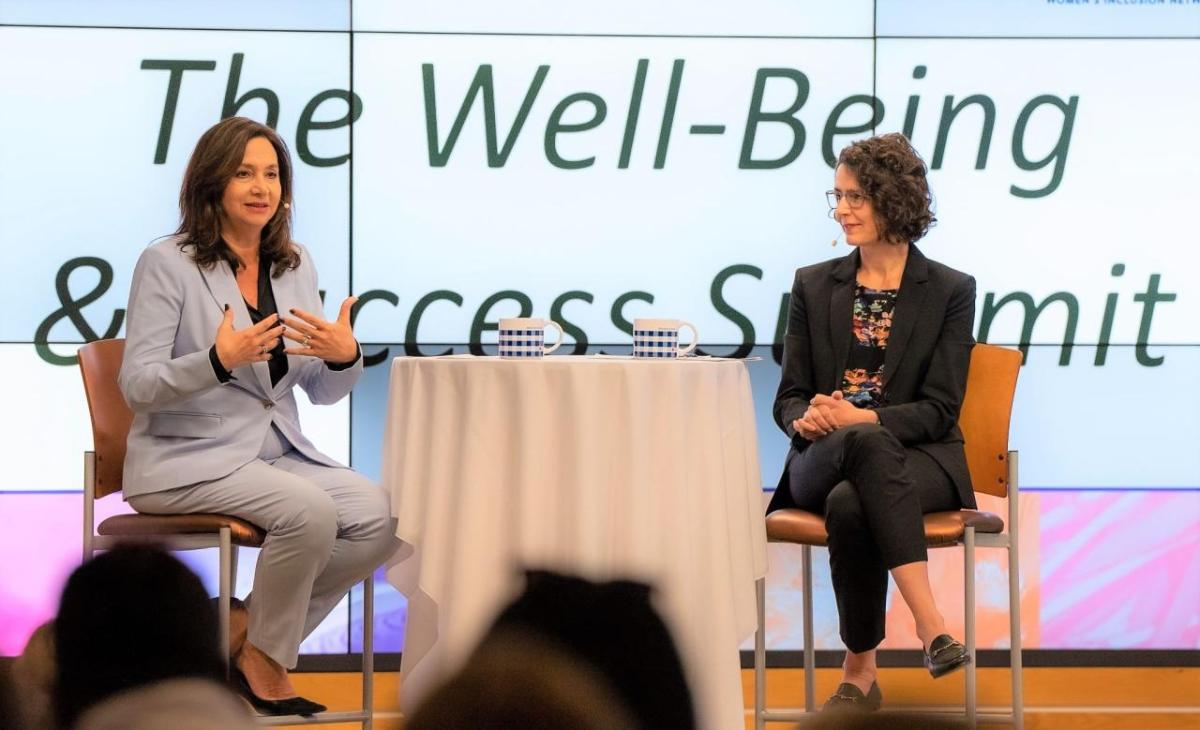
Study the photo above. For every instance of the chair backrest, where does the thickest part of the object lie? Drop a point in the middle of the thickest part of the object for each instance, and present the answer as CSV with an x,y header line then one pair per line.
x,y
100,363
985,415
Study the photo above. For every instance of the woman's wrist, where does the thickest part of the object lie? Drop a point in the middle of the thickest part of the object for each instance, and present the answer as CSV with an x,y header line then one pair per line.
x,y
346,364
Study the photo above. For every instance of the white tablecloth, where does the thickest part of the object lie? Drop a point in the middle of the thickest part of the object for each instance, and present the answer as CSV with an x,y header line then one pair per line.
x,y
600,467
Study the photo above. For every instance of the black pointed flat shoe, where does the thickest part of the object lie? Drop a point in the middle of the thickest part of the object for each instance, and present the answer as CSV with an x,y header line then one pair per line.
x,y
287,706
849,698
945,655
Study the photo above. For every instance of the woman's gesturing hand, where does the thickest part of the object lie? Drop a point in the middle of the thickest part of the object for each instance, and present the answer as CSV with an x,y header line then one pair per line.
x,y
333,341
236,348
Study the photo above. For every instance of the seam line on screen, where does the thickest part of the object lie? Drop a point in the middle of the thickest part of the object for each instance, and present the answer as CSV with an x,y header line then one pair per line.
x,y
350,292
527,34
519,34
874,63
747,36
594,343
189,29
350,227
550,34
1039,38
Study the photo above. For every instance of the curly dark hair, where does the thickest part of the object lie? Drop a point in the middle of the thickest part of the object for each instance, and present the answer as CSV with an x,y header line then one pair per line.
x,y
214,162
892,175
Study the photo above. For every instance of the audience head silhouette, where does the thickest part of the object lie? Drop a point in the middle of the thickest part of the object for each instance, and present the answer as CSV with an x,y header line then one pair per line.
x,y
130,617
562,636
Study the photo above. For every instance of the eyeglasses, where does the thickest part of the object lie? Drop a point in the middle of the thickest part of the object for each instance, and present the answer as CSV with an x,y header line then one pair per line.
x,y
854,198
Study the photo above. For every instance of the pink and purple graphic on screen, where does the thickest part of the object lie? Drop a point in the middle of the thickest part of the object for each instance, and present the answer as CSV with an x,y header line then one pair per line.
x,y
1100,570
1120,570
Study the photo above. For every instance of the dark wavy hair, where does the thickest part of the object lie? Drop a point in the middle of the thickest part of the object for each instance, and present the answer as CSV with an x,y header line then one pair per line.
x,y
214,162
892,175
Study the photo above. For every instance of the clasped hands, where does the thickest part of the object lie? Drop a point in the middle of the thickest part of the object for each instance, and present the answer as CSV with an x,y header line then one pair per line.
x,y
333,341
828,413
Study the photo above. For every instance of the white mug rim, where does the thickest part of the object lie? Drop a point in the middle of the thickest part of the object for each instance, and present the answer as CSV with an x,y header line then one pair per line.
x,y
657,324
521,323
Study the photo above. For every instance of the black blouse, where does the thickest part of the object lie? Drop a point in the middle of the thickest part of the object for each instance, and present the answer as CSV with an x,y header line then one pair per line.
x,y
278,363
266,307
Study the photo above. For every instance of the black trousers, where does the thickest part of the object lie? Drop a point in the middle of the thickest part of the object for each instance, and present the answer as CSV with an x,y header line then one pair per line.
x,y
873,492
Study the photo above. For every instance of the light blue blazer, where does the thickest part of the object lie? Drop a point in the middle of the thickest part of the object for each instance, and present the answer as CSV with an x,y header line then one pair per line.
x,y
187,426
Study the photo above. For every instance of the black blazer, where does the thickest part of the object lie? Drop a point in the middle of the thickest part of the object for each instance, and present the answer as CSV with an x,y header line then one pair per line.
x,y
924,369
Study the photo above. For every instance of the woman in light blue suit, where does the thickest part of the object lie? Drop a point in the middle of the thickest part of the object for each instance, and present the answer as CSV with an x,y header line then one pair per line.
x,y
215,426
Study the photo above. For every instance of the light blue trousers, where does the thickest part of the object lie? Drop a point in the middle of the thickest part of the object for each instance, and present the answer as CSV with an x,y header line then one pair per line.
x,y
327,529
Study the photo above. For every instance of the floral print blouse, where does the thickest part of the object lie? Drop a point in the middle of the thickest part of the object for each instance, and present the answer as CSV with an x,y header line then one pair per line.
x,y
862,383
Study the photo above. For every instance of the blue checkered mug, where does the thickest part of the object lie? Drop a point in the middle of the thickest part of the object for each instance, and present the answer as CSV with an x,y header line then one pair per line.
x,y
526,337
660,337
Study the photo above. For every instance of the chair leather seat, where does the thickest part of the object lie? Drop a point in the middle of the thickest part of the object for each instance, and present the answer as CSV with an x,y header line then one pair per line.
x,y
946,528
242,533
941,528
796,525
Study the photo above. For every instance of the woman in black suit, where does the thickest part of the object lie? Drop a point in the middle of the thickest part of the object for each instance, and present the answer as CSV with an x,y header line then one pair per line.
x,y
875,366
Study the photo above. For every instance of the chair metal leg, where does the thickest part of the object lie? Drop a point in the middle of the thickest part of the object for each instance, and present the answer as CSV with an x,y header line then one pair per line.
x,y
233,567
368,653
969,617
810,656
762,713
89,503
224,591
760,654
1014,597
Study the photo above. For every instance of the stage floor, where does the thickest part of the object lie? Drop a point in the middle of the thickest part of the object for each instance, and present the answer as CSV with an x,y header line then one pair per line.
x,y
1159,698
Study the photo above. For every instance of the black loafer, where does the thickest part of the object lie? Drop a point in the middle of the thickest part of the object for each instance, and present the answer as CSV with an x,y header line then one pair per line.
x,y
849,698
287,706
945,655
